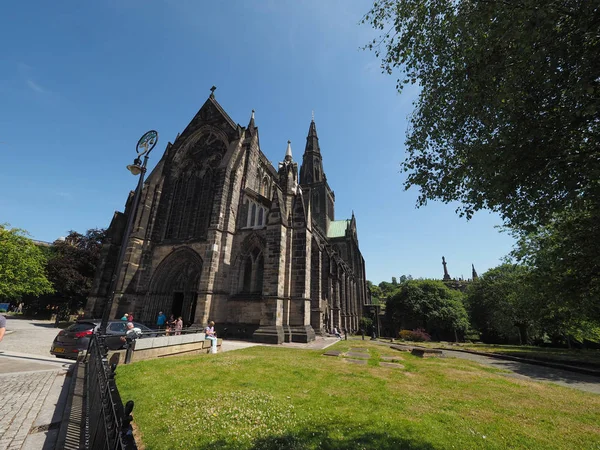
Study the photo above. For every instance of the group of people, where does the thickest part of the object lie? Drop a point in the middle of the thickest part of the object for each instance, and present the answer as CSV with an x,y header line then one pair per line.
x,y
18,308
170,326
176,326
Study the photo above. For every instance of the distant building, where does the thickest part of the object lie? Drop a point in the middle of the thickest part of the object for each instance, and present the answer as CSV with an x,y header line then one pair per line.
x,y
221,234
42,243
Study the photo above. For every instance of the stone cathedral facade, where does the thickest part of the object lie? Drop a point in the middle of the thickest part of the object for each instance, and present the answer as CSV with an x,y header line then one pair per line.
x,y
220,234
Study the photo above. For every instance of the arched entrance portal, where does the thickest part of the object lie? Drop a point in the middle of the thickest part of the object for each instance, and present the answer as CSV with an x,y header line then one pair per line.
x,y
174,287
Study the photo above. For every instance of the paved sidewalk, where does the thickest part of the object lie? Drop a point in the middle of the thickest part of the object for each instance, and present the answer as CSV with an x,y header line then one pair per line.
x,y
531,372
587,383
29,336
33,393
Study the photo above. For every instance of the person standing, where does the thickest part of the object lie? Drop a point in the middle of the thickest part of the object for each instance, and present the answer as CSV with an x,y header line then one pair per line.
x,y
161,320
124,317
130,317
2,326
178,326
210,334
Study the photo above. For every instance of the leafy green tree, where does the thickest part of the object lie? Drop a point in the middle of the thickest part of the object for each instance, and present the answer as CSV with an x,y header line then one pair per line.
x,y
564,256
504,305
375,290
508,112
22,265
71,268
366,324
564,260
388,289
430,305
508,119
405,278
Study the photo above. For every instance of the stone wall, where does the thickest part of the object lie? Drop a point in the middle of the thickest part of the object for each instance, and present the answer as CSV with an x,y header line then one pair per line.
x,y
164,346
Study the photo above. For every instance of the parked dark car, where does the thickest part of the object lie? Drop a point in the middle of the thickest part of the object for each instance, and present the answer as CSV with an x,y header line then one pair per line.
x,y
76,338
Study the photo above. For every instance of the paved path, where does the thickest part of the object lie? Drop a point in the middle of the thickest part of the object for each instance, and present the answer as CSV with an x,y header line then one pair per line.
x,y
33,384
29,336
533,372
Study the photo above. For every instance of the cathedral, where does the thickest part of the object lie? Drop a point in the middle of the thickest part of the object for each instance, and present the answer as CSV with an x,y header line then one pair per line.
x,y
220,234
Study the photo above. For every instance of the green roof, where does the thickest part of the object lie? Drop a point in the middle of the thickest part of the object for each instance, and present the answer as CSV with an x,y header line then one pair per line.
x,y
337,228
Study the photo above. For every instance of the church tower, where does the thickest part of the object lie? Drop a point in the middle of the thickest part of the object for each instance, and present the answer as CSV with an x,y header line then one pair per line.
x,y
314,182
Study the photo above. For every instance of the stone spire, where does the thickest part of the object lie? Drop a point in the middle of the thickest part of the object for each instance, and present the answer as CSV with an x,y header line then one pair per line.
x,y
288,171
446,275
312,140
311,170
251,125
474,273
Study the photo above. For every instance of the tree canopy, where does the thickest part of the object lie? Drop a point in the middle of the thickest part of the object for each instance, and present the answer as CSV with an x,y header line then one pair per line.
x,y
508,112
503,304
72,266
22,265
430,305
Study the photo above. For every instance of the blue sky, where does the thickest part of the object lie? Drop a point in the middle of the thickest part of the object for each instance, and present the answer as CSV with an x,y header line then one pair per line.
x,y
80,82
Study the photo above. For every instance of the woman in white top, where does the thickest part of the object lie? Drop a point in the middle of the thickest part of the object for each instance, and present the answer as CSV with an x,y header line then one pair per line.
x,y
210,334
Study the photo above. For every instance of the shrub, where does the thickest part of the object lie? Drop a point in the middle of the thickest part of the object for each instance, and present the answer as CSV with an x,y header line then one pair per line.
x,y
2,310
418,335
366,324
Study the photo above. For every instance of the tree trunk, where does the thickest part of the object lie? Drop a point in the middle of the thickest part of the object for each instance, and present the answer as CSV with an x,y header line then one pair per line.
x,y
523,337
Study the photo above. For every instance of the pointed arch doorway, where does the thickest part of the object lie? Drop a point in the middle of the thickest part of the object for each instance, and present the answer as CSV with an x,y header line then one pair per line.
x,y
174,287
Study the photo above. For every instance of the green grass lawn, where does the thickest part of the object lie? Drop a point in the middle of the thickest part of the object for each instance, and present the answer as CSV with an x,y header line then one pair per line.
x,y
567,356
282,398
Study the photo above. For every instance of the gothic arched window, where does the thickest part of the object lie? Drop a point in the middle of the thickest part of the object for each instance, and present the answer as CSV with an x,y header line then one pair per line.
x,y
253,215
192,190
259,273
260,217
247,287
253,267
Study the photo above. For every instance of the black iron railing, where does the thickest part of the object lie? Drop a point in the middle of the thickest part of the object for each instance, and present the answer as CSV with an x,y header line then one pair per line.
x,y
107,421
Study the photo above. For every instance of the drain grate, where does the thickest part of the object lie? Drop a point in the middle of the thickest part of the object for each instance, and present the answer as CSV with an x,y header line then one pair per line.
x,y
47,427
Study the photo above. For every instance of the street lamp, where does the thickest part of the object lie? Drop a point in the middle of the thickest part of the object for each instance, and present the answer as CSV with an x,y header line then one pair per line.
x,y
143,148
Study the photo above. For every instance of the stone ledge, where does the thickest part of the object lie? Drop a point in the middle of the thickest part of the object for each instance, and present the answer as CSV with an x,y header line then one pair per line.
x,y
166,341
426,352
192,348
